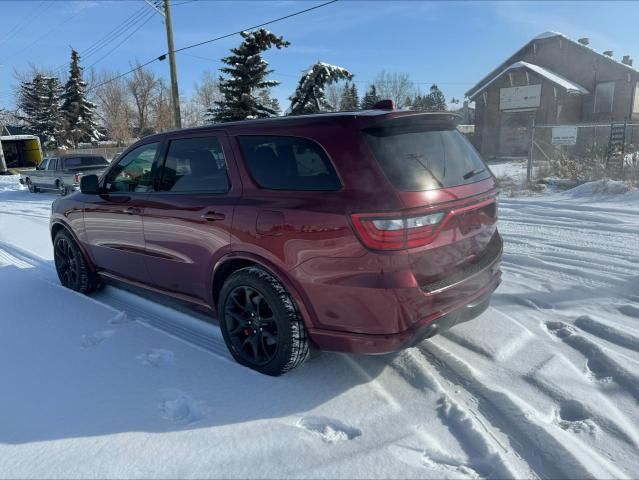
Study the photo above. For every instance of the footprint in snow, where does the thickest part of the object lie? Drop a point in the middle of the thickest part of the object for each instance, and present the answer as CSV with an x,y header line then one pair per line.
x,y
445,465
179,408
157,358
574,417
329,430
95,338
560,329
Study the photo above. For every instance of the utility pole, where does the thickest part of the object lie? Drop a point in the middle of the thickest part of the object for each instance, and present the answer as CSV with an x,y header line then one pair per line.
x,y
175,93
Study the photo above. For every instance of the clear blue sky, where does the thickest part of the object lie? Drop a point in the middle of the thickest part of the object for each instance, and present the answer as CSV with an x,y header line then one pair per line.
x,y
452,44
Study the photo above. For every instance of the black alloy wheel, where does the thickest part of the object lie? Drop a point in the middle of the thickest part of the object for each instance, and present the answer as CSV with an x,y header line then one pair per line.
x,y
251,325
260,322
71,266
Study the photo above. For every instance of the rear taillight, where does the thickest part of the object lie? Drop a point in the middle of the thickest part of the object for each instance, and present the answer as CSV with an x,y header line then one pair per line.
x,y
395,232
76,178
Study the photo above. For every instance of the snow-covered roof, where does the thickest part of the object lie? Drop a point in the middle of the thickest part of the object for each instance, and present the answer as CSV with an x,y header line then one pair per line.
x,y
545,35
8,138
569,86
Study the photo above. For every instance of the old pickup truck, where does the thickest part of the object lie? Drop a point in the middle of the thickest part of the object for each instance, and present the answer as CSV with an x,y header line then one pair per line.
x,y
62,173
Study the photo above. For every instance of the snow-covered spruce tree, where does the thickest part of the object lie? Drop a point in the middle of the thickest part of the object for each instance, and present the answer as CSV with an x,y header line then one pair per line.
x,y
435,100
246,77
309,97
39,102
77,111
265,98
370,98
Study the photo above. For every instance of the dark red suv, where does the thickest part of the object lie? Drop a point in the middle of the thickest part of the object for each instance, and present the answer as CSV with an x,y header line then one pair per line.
x,y
359,232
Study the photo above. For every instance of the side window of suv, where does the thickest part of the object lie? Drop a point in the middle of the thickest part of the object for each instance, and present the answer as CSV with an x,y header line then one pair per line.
x,y
134,172
288,163
195,165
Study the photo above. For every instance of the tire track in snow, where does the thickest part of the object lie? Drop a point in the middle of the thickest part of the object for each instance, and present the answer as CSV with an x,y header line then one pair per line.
x,y
550,453
486,453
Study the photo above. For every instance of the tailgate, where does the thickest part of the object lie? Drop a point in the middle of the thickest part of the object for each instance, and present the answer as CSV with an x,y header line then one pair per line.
x,y
435,170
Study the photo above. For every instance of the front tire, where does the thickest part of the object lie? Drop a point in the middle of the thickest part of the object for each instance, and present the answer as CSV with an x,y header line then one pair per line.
x,y
32,188
260,324
71,265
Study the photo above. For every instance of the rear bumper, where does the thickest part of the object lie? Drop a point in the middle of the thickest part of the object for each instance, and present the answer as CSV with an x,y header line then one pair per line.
x,y
471,307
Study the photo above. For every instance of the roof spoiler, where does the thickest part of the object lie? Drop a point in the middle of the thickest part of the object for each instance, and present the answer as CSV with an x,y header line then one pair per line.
x,y
417,122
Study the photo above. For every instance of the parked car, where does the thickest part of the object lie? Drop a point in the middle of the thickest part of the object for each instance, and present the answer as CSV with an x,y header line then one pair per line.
x,y
356,232
62,173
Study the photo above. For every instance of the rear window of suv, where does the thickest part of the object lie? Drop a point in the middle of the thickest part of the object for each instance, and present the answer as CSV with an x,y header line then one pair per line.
x,y
288,163
420,155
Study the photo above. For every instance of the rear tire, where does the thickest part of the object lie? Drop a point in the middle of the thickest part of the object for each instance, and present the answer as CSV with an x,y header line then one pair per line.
x,y
32,188
260,324
71,265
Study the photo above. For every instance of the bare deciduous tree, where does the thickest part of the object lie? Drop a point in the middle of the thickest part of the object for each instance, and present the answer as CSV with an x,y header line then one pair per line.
x,y
334,94
114,109
205,93
142,86
395,86
161,111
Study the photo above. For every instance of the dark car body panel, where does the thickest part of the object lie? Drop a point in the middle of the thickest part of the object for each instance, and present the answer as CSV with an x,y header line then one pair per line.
x,y
351,297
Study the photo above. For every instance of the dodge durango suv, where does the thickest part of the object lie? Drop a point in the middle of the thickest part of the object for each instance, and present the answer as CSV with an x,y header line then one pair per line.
x,y
360,232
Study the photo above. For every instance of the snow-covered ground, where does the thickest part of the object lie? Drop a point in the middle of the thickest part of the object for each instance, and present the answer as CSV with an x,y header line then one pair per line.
x,y
544,384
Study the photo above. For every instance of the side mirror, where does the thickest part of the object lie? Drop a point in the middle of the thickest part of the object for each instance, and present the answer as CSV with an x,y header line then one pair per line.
x,y
89,185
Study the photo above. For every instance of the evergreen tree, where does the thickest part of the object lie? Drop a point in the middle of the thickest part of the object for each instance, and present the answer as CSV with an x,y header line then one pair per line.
x,y
77,111
349,101
354,96
420,102
370,98
266,99
39,102
247,73
408,103
309,96
436,101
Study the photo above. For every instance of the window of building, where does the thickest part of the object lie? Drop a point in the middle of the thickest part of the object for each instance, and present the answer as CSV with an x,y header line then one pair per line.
x,y
604,95
195,165
134,172
288,163
635,103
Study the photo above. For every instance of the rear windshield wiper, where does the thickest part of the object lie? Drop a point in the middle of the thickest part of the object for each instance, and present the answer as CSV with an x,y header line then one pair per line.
x,y
472,173
430,172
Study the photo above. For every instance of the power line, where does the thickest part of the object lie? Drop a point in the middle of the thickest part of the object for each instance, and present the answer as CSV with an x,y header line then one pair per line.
x,y
46,34
113,34
164,55
109,37
255,26
149,17
37,12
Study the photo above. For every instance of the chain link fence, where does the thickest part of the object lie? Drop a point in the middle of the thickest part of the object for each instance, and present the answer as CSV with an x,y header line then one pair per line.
x,y
584,152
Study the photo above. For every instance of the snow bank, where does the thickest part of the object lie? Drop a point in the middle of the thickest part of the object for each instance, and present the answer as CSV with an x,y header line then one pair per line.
x,y
601,188
10,183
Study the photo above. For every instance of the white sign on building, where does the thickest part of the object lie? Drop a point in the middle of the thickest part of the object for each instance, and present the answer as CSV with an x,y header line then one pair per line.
x,y
564,135
513,98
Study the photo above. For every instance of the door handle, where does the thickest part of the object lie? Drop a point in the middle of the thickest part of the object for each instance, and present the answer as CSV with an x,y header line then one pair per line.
x,y
132,211
213,216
